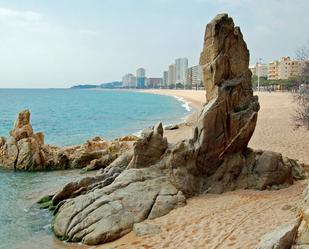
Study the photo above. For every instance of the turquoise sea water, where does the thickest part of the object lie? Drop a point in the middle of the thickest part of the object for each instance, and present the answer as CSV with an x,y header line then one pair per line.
x,y
69,117
66,117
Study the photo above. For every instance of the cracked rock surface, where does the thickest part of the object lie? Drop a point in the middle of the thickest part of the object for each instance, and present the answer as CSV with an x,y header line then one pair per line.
x,y
107,214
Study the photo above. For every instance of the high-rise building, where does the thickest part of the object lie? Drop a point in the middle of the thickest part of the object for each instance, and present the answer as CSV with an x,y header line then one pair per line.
x,y
129,80
194,77
165,78
140,78
181,66
171,76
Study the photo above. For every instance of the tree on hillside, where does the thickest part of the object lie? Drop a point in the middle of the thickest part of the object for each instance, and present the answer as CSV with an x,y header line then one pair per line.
x,y
301,116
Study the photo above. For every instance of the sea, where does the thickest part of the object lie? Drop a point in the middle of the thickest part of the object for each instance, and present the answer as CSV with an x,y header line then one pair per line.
x,y
67,117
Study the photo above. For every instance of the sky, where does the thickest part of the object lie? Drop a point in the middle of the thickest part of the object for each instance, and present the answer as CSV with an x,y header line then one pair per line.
x,y
60,43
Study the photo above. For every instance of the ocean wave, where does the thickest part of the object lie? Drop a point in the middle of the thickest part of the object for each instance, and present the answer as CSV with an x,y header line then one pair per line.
x,y
185,103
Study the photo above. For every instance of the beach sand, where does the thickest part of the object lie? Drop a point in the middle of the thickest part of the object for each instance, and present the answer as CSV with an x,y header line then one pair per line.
x,y
236,219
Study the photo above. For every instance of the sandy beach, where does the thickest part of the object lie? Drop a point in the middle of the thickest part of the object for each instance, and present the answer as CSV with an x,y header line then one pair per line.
x,y
236,219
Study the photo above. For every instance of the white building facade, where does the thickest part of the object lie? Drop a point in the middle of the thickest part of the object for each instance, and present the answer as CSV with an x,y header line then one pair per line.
x,y
181,66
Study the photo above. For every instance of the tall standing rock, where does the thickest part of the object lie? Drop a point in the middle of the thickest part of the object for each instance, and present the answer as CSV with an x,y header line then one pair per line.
x,y
228,120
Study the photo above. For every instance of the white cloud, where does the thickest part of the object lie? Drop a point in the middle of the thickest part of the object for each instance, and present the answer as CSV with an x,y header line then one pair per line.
x,y
19,16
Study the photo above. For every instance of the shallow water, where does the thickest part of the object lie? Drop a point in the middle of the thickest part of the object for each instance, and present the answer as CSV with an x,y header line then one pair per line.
x,y
21,220
67,117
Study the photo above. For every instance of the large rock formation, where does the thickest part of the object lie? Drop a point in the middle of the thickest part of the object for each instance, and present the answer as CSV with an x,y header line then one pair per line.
x,y
227,122
158,176
26,150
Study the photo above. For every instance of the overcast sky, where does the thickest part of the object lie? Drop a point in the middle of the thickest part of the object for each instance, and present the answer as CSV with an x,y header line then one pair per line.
x,y
59,43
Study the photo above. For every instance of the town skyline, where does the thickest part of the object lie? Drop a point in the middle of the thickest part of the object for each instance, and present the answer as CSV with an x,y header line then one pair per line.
x,y
48,45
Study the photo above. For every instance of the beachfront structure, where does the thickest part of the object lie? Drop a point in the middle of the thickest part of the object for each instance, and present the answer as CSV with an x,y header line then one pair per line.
x,y
194,77
181,66
171,76
259,69
284,68
140,78
165,78
154,82
129,81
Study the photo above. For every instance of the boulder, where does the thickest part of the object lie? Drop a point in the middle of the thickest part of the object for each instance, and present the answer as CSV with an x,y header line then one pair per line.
x,y
9,153
281,238
30,156
149,148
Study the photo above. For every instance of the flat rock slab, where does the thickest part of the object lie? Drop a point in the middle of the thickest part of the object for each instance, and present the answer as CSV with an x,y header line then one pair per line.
x,y
106,214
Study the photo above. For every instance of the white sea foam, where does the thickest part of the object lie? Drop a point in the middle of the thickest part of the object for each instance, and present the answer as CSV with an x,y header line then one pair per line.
x,y
186,104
